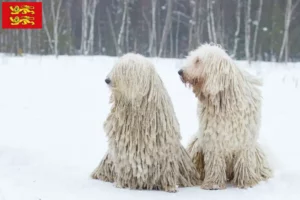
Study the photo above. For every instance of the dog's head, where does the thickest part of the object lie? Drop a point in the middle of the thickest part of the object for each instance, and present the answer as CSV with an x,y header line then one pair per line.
x,y
208,69
131,77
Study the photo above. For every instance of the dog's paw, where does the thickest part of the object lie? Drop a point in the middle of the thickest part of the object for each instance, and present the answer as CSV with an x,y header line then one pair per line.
x,y
118,185
247,182
171,189
247,185
102,178
213,186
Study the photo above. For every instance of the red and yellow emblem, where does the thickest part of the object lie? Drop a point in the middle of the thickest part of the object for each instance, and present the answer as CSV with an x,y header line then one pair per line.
x,y
22,15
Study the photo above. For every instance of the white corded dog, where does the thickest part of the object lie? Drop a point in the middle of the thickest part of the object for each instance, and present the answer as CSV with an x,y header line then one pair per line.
x,y
143,132
225,147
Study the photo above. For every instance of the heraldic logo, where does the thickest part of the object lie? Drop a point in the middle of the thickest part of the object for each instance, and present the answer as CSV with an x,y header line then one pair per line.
x,y
22,15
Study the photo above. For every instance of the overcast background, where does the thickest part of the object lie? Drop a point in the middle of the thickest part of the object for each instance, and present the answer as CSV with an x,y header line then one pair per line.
x,y
265,30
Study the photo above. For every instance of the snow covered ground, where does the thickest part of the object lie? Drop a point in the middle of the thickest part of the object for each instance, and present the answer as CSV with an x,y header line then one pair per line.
x,y
51,137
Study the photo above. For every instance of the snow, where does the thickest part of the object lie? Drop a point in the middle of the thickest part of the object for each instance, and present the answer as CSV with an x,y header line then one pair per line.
x,y
51,137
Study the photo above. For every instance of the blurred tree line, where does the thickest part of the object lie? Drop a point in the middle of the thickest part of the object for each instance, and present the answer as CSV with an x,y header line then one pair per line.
x,y
265,30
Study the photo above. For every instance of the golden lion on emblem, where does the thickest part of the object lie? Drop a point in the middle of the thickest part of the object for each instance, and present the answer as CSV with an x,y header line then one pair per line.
x,y
15,10
22,20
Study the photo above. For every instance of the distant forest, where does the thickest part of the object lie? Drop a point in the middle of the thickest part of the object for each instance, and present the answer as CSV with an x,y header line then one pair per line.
x,y
267,30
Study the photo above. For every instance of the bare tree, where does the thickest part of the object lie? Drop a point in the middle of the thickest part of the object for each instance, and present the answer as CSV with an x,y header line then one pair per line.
x,y
212,16
147,21
91,14
99,38
2,40
153,43
248,31
122,29
128,22
171,43
177,36
55,17
167,28
88,26
211,22
257,28
220,23
192,24
113,32
38,44
55,10
287,20
29,41
16,40
210,37
69,26
200,22
45,27
22,40
84,28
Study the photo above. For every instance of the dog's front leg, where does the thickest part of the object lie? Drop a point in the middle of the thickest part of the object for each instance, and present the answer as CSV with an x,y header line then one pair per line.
x,y
245,168
215,170
196,153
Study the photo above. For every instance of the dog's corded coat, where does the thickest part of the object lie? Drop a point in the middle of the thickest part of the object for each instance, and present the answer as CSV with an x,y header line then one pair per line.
x,y
143,132
225,147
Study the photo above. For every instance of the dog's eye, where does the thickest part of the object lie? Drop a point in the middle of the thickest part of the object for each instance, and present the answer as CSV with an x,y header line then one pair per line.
x,y
197,61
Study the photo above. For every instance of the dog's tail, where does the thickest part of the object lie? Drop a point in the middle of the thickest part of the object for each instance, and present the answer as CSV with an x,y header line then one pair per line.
x,y
262,165
105,170
196,154
252,79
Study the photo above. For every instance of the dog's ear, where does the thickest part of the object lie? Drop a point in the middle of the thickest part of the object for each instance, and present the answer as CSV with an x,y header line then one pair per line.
x,y
218,75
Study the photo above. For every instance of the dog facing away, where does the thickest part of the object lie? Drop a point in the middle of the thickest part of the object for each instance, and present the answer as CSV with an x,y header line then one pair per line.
x,y
143,132
229,109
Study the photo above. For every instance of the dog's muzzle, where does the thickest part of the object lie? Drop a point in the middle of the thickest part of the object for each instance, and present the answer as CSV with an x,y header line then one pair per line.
x,y
180,72
107,81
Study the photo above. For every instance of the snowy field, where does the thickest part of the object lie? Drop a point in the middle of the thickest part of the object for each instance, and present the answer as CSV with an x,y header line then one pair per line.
x,y
51,136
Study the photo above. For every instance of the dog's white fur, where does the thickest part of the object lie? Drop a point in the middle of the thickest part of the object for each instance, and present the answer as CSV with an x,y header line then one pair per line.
x,y
229,110
143,132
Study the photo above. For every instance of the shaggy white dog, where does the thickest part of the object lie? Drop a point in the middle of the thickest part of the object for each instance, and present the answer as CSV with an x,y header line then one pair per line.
x,y
229,110
143,132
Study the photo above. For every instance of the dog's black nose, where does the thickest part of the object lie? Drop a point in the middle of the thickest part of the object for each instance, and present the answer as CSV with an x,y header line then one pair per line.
x,y
107,81
180,72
